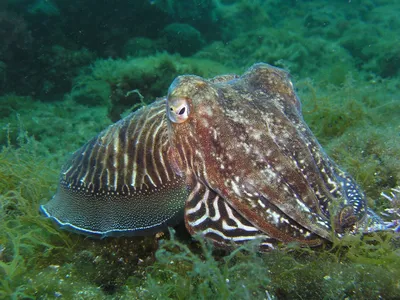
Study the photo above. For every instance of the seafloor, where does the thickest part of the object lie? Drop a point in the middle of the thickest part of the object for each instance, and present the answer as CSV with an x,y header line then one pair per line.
x,y
68,69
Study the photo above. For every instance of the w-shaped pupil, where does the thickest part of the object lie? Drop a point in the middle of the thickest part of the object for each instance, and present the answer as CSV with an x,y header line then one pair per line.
x,y
182,111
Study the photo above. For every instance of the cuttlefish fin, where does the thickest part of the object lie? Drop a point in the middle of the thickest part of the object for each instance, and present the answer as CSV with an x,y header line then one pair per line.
x,y
121,182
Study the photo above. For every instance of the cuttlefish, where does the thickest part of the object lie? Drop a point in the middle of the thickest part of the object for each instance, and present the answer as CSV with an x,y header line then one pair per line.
x,y
231,156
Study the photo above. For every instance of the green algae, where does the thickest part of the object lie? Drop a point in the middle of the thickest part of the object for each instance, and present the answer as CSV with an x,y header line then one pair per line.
x,y
353,267
199,272
49,124
24,236
350,101
358,125
111,82
37,259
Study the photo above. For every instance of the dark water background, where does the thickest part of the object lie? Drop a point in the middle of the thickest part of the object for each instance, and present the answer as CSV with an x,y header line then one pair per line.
x,y
66,70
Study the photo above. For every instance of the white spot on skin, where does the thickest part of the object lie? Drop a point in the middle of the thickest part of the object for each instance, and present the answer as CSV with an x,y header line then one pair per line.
x,y
270,174
261,203
204,122
235,188
302,205
256,134
207,111
333,183
246,147
275,216
214,133
283,220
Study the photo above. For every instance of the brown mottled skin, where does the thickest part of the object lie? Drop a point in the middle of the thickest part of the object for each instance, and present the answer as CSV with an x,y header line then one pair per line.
x,y
250,145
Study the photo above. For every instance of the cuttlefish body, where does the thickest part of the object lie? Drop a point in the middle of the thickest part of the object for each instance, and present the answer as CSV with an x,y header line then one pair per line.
x,y
232,156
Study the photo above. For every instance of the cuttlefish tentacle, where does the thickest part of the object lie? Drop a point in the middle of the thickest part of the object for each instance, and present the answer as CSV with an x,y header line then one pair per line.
x,y
114,183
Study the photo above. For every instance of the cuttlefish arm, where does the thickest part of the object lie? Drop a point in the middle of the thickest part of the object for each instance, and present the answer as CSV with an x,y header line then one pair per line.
x,y
210,215
120,182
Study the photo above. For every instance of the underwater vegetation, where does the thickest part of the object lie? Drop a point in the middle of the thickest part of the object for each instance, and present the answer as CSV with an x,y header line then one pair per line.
x,y
123,85
39,260
357,124
71,68
352,268
48,124
22,232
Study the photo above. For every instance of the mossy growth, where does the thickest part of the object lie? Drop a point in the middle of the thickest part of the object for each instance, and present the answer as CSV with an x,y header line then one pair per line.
x,y
51,124
353,267
357,124
40,261
182,38
198,271
25,237
111,82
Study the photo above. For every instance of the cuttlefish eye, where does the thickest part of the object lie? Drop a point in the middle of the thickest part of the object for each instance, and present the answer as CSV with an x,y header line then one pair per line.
x,y
178,110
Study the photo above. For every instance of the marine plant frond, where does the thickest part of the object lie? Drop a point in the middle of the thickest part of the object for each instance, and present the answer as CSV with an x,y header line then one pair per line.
x,y
201,272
